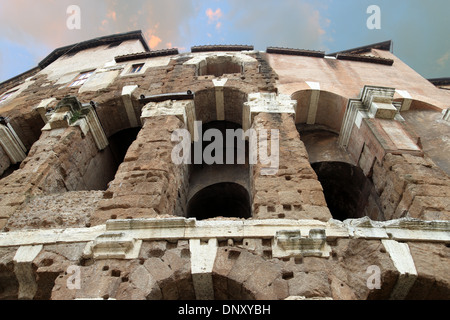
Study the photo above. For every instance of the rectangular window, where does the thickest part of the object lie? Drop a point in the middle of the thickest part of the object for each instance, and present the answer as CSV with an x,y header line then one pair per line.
x,y
6,96
81,79
136,68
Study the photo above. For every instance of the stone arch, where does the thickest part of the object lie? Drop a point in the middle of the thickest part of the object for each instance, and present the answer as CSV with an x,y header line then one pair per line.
x,y
322,144
320,107
220,65
418,103
348,192
220,104
230,200
220,181
113,115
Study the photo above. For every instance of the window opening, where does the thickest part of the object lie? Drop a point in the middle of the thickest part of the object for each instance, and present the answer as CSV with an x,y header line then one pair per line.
x,y
81,79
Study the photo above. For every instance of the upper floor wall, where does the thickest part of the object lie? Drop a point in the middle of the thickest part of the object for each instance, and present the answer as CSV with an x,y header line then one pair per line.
x,y
347,77
68,66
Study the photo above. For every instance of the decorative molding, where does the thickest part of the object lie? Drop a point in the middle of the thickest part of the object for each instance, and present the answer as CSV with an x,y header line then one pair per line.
x,y
296,52
214,48
71,113
174,229
11,143
44,107
266,103
364,58
115,245
291,244
374,102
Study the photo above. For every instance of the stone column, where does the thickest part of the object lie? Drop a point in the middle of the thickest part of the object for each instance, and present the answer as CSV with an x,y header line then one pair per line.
x,y
11,144
292,191
148,184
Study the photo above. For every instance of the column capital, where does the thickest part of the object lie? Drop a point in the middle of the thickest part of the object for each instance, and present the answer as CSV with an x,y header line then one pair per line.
x,y
70,112
266,103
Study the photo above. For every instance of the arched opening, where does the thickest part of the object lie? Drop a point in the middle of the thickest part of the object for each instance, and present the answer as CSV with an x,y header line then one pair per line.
x,y
233,103
322,144
9,170
348,192
229,200
319,107
103,167
220,173
121,141
217,66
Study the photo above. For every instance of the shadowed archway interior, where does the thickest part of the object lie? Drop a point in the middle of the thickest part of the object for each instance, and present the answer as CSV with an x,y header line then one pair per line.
x,y
348,192
229,200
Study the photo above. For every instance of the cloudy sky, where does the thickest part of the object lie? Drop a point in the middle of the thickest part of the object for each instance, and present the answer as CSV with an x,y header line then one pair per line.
x,y
31,29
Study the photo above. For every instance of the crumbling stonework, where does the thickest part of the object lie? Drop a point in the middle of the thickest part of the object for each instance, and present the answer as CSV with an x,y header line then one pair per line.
x,y
355,208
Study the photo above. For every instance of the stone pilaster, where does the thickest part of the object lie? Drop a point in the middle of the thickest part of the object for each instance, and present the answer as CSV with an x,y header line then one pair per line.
x,y
292,191
148,183
373,127
11,144
70,112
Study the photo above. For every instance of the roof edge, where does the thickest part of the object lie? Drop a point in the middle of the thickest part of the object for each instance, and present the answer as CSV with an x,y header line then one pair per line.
x,y
220,47
105,40
385,45
440,81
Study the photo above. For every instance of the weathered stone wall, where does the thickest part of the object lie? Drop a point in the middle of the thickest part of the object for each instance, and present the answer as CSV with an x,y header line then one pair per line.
x,y
63,210
412,186
62,160
147,182
242,270
137,258
5,162
294,191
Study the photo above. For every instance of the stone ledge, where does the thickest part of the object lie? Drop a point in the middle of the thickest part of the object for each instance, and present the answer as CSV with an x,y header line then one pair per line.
x,y
174,229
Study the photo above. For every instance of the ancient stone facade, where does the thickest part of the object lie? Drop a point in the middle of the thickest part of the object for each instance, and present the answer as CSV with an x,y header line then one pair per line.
x,y
92,205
